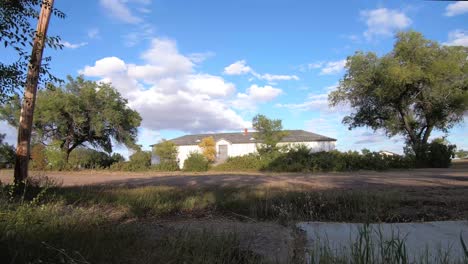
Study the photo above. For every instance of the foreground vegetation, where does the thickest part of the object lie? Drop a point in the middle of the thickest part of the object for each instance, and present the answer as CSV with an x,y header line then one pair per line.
x,y
118,224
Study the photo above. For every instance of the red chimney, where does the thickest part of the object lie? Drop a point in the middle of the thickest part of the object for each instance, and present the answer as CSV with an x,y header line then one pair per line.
x,y
246,132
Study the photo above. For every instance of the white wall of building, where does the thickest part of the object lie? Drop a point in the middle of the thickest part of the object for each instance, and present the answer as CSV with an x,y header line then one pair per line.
x,y
246,148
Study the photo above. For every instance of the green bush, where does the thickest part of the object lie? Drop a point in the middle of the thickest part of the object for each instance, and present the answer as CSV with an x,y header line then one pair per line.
x,y
250,162
166,166
139,161
440,154
196,162
301,159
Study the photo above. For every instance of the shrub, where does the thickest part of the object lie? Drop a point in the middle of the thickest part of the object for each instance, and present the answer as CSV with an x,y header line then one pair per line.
x,y
250,162
301,159
440,154
166,166
196,162
38,157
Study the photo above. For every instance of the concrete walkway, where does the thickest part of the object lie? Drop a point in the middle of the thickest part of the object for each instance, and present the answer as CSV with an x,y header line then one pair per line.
x,y
431,239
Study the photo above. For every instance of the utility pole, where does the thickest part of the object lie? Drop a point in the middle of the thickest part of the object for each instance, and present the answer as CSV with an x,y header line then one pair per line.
x,y
23,148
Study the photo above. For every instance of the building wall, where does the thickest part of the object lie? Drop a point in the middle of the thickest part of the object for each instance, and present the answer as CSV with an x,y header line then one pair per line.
x,y
244,149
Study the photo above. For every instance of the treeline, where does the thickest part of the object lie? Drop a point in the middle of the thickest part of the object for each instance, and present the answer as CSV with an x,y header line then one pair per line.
x,y
51,157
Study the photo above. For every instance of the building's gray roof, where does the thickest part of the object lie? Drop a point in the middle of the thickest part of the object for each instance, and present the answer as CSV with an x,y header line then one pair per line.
x,y
239,137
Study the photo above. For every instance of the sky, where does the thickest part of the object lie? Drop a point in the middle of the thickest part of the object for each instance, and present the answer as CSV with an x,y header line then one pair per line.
x,y
210,65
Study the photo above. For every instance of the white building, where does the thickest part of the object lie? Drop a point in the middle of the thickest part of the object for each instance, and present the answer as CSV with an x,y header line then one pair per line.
x,y
238,144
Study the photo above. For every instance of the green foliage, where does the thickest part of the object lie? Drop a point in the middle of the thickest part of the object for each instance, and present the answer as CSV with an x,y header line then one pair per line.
x,y
249,162
86,158
166,151
461,154
17,31
139,161
7,152
440,153
196,162
166,166
55,157
78,113
418,87
301,159
269,132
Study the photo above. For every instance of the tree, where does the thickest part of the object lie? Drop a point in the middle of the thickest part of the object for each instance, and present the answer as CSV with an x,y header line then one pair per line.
x,y
461,154
166,151
7,152
419,87
78,113
38,157
17,34
208,146
269,132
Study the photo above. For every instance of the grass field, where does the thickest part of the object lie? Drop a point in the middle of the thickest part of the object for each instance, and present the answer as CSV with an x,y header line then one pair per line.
x,y
202,224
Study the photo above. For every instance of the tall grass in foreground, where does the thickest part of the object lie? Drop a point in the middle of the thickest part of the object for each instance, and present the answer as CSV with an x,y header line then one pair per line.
x,y
369,249
278,204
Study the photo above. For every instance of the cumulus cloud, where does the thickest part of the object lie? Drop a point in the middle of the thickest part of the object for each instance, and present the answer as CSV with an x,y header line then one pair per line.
x,y
254,95
457,8
457,38
384,22
168,93
240,68
237,68
69,45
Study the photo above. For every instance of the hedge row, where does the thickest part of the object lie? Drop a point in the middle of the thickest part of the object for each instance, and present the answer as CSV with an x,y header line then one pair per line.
x,y
302,160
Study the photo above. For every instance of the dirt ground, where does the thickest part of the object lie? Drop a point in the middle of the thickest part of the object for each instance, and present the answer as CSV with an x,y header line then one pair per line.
x,y
456,176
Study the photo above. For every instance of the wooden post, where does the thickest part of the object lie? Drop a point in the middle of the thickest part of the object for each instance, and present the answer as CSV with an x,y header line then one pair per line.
x,y
23,148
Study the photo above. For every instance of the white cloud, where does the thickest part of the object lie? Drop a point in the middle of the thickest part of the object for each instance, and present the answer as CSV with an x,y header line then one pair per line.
x,y
457,8
200,57
237,68
168,93
333,67
69,45
317,102
384,22
272,77
240,68
254,95
93,33
120,10
457,38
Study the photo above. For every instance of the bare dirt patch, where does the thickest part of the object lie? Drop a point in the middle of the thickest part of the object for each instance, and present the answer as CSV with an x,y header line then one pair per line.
x,y
456,176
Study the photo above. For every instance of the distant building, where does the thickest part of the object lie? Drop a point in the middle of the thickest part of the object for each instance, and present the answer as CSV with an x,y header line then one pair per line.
x,y
388,153
239,144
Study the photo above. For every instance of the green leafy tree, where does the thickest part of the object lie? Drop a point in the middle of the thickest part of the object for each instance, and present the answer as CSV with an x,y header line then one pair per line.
x,y
166,151
461,154
80,112
17,31
269,132
7,152
419,87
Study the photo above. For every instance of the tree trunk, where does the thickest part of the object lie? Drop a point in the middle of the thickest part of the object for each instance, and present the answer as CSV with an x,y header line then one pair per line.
x,y
23,148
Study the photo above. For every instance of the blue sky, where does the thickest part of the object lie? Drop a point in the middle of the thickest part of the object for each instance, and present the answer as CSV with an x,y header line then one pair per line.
x,y
205,66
